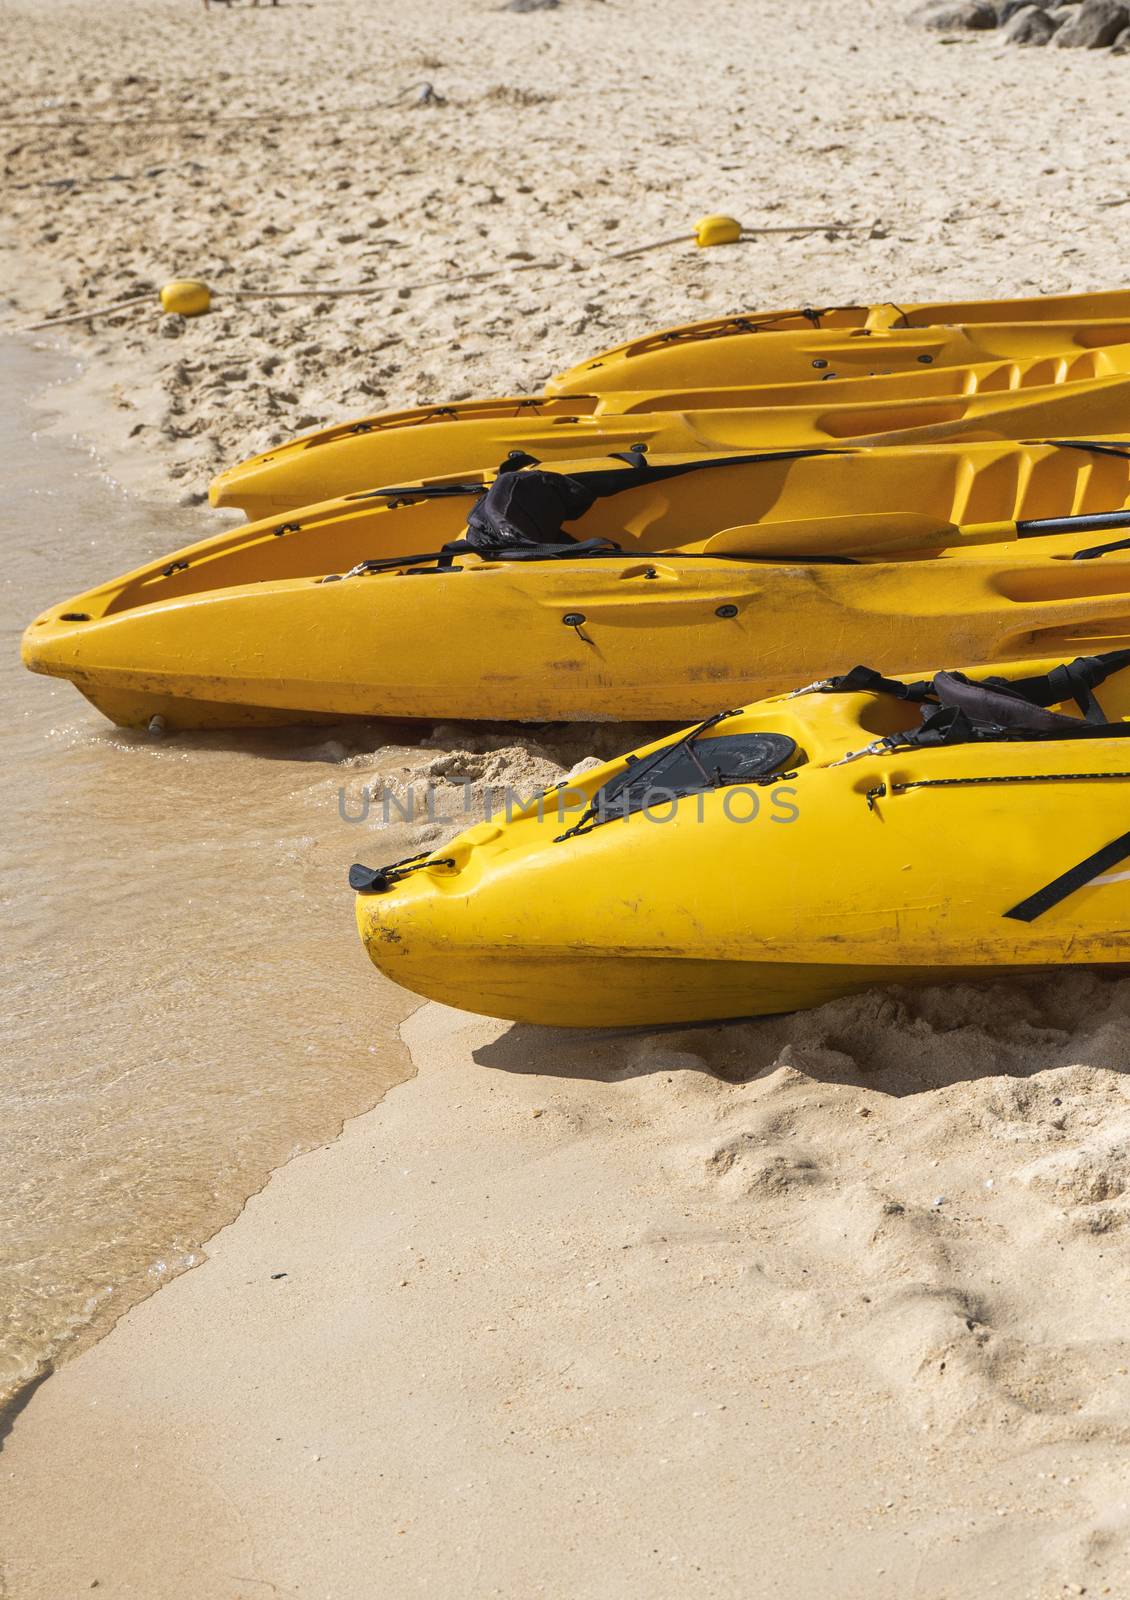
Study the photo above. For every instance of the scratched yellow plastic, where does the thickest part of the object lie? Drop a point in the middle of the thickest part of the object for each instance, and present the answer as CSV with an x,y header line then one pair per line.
x,y
792,388
242,628
773,898
720,350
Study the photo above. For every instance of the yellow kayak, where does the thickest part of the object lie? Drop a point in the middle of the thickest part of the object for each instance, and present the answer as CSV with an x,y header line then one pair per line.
x,y
776,857
813,375
785,501
989,552
720,349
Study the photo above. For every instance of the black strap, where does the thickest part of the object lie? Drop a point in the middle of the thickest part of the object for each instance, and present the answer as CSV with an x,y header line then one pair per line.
x,y
515,461
1066,682
574,550
949,725
390,563
861,679
1067,883
606,481
1073,682
419,491
378,880
940,726
602,481
961,710
589,548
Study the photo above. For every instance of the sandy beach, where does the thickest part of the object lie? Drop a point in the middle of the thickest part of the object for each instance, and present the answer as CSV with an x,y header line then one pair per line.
x,y
289,148
832,1305
761,1309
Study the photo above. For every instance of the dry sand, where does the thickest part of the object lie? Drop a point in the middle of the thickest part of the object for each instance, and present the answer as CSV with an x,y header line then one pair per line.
x,y
828,1306
277,148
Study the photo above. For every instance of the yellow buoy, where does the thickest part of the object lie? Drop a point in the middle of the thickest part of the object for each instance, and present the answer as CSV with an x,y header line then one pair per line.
x,y
188,297
716,230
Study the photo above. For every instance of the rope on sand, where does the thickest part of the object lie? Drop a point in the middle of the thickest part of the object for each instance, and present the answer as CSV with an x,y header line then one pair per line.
x,y
81,316
424,95
830,228
192,298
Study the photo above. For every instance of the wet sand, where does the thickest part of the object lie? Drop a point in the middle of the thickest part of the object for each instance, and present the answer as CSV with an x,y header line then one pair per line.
x,y
188,1003
165,904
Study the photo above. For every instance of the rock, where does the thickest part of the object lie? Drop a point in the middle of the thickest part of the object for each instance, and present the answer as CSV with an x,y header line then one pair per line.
x,y
1095,24
1121,46
1030,25
1061,14
172,325
530,5
948,16
1009,8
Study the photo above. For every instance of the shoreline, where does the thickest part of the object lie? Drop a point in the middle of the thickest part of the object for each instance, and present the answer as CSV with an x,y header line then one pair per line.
x,y
762,1306
463,1343
167,816
100,1188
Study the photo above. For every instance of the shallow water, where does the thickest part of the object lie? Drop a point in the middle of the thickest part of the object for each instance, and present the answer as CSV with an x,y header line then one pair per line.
x,y
186,1000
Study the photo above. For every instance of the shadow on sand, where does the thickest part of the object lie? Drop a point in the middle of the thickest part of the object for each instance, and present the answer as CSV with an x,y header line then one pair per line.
x,y
895,1041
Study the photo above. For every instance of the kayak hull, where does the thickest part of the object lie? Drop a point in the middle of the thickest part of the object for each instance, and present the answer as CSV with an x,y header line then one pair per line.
x,y
567,988
402,450
618,639
814,881
809,371
732,582
727,349
766,494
